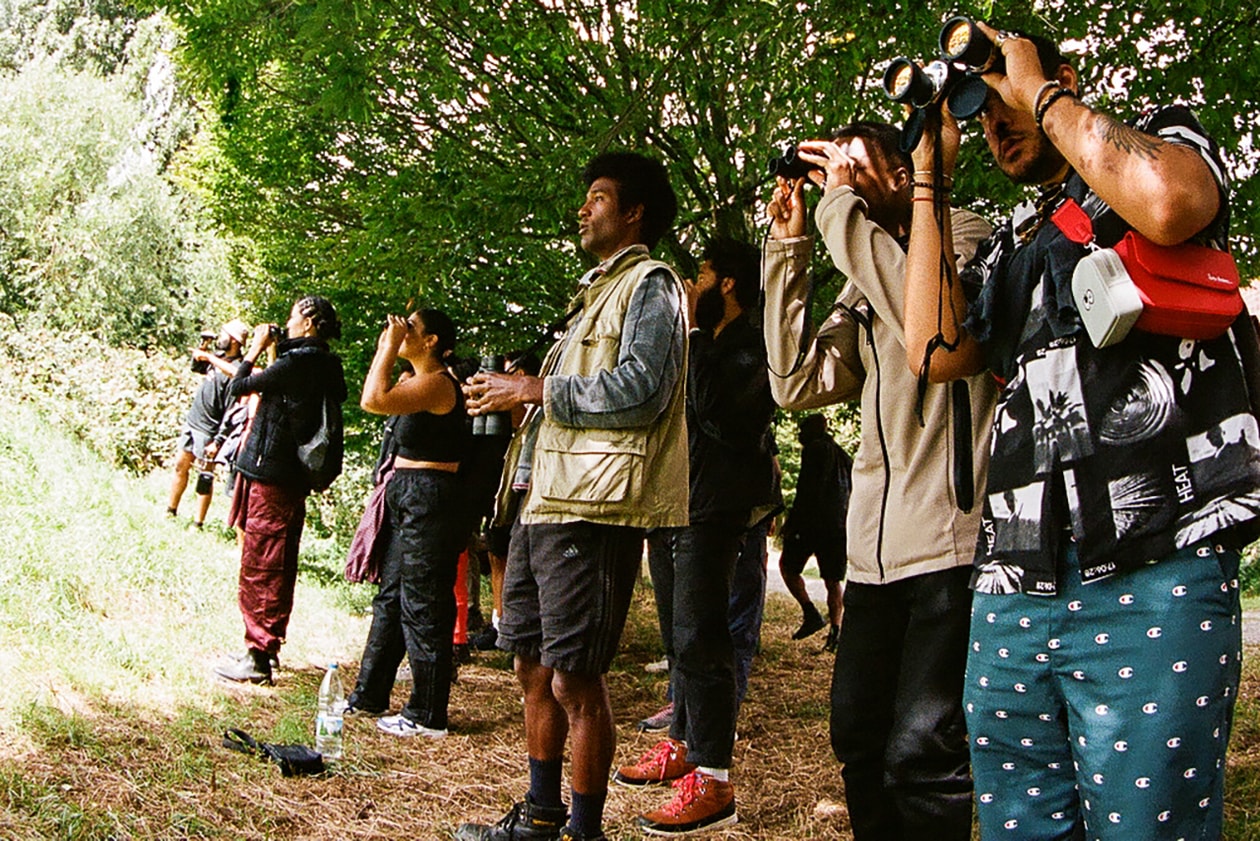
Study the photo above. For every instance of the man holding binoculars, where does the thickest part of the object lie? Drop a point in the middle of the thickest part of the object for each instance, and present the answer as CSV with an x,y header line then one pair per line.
x,y
1105,631
200,437
896,694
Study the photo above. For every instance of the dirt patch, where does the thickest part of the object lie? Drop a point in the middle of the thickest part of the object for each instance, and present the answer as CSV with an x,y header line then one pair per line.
x,y
1251,627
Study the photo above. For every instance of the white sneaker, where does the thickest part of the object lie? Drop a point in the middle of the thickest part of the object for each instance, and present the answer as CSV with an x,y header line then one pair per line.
x,y
658,666
400,725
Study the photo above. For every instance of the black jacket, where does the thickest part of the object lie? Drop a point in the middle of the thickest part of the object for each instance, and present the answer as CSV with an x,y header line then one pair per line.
x,y
729,409
822,490
291,390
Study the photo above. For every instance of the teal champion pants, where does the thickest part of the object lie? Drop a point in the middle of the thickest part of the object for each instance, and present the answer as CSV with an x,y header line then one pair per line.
x,y
1108,704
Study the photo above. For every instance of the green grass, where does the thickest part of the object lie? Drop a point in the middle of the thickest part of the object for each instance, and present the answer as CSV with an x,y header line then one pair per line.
x,y
102,597
111,619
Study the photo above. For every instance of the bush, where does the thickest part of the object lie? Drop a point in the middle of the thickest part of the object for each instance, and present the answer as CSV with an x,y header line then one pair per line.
x,y
1249,575
125,404
128,406
95,233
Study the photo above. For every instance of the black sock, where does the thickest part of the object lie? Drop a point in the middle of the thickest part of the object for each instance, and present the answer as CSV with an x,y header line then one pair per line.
x,y
544,782
588,813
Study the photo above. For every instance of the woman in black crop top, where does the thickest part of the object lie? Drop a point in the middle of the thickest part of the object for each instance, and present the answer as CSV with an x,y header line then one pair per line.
x,y
414,612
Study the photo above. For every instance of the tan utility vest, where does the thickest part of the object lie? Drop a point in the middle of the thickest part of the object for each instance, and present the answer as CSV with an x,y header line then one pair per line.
x,y
633,477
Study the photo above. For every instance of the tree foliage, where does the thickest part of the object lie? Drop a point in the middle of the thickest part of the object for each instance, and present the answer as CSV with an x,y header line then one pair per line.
x,y
380,151
93,235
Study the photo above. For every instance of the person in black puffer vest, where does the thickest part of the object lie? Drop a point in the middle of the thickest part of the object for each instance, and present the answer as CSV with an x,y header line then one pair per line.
x,y
269,505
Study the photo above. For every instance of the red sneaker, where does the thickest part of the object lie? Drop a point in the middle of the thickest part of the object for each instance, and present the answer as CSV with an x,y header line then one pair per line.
x,y
701,803
665,761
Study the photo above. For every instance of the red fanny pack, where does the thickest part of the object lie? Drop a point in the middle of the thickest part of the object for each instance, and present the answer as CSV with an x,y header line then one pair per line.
x,y
1185,290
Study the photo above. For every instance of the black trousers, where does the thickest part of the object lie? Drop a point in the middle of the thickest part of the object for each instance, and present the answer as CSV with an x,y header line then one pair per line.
x,y
414,611
748,602
692,571
896,708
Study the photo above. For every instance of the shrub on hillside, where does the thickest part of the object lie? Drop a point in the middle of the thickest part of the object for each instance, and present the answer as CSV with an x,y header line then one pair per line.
x,y
1249,574
127,405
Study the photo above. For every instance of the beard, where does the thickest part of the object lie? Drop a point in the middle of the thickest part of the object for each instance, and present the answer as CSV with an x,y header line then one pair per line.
x,y
710,307
1042,165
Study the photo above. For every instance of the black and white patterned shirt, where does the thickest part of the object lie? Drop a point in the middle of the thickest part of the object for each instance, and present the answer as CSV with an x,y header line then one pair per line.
x,y
1133,450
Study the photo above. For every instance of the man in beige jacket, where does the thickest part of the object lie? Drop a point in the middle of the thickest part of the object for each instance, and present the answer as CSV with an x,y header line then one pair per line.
x,y
896,696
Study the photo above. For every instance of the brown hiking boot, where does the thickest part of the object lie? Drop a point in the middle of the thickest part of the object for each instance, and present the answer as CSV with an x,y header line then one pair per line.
x,y
701,803
665,761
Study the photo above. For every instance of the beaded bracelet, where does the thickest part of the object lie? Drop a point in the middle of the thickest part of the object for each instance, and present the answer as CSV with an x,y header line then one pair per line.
x,y
923,185
1041,91
1050,100
928,175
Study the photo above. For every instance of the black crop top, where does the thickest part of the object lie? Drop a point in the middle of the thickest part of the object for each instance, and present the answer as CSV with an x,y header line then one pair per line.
x,y
424,436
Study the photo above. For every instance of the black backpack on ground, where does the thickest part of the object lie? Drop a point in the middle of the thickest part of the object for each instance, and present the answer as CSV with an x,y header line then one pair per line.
x,y
294,760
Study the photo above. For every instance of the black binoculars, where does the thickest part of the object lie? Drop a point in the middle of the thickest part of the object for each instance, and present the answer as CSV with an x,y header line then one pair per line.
x,y
788,163
494,423
965,52
201,366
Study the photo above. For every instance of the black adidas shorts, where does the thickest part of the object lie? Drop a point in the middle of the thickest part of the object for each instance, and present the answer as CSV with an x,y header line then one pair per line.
x,y
567,591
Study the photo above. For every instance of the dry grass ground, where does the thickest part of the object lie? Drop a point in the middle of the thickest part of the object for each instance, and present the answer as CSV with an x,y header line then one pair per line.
x,y
111,618
115,772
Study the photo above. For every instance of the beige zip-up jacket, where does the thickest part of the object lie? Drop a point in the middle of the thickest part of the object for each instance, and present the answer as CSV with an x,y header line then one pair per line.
x,y
903,516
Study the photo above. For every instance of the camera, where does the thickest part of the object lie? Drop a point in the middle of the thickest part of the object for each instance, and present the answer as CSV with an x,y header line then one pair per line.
x,y
788,163
276,332
205,478
965,52
201,366
494,423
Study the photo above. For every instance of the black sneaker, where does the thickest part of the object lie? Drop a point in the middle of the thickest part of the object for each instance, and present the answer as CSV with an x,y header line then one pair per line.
x,y
811,624
525,822
833,640
356,706
460,654
486,639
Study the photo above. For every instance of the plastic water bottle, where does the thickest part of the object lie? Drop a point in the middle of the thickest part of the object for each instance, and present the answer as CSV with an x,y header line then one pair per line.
x,y
328,721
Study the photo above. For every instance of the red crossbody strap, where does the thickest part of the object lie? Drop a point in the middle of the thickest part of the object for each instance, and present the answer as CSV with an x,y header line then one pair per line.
x,y
1074,222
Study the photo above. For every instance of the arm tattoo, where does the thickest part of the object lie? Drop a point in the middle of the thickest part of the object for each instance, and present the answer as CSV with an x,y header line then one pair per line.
x,y
1127,139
